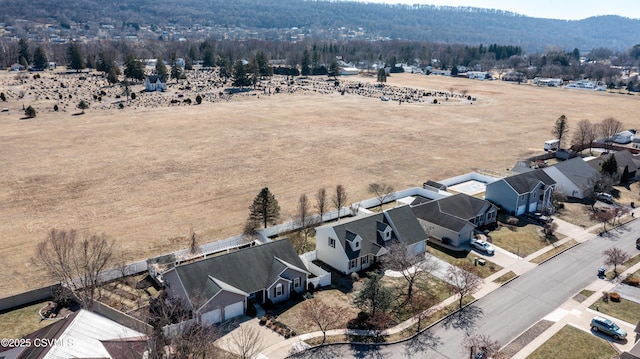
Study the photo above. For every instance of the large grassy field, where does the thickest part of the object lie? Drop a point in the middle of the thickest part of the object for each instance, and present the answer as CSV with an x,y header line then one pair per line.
x,y
147,175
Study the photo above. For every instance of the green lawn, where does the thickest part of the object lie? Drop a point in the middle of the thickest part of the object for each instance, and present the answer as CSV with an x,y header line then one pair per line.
x,y
519,239
626,310
468,257
573,343
20,322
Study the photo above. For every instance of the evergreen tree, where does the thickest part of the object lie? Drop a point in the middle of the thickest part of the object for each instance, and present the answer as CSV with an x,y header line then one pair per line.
x,y
334,69
609,166
306,61
209,58
262,64
264,209
30,112
40,61
382,75
113,74
176,71
374,297
23,52
134,68
75,58
161,69
241,77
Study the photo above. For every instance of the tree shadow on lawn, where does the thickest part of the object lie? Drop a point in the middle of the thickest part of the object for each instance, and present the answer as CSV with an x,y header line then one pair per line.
x,y
320,352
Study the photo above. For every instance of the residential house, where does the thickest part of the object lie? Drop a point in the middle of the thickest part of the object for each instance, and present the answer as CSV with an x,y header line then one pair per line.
x,y
574,178
155,83
82,334
628,165
355,244
623,137
521,193
453,219
219,288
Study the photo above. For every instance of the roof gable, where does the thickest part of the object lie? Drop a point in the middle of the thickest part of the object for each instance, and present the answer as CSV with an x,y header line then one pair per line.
x,y
528,181
463,206
247,270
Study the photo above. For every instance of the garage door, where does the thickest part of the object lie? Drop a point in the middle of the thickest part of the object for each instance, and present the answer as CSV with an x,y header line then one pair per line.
x,y
533,207
211,317
521,210
233,310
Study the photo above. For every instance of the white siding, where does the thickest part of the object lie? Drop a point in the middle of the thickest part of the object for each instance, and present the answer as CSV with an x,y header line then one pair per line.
x,y
335,257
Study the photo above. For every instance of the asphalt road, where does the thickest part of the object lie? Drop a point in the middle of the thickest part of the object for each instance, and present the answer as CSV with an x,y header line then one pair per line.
x,y
508,311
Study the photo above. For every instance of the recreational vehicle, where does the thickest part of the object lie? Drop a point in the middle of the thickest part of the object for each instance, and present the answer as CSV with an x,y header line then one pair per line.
x,y
551,145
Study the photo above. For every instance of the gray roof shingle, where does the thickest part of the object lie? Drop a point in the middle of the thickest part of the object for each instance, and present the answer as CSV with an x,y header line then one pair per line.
x,y
249,270
526,182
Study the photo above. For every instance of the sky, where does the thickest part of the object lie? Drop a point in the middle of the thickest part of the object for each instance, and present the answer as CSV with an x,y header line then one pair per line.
x,y
552,9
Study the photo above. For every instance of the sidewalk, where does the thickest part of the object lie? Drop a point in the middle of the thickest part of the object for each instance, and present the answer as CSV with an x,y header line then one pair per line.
x,y
571,312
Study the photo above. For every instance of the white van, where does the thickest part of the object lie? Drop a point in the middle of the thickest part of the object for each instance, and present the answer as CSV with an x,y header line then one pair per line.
x,y
551,145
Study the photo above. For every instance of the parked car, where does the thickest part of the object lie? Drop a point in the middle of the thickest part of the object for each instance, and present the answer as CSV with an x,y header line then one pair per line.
x,y
482,246
604,197
638,243
600,324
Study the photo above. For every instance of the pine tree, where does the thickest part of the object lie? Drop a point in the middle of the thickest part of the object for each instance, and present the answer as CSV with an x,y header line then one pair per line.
x,y
40,60
76,61
265,208
133,68
382,76
161,69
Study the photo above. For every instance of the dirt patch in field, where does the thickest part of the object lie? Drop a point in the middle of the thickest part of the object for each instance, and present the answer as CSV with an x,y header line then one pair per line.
x,y
149,173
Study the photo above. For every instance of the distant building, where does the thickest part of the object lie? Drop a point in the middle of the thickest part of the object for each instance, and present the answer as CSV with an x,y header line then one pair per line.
x,y
155,83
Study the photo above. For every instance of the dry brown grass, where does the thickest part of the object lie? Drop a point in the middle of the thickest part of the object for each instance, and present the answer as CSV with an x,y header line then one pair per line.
x,y
147,175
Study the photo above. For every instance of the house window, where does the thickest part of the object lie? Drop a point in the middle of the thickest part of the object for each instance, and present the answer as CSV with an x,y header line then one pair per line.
x,y
353,263
332,242
356,244
296,282
364,260
278,290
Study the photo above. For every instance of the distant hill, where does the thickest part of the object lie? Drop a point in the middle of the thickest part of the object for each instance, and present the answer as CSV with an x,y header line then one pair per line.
x,y
420,22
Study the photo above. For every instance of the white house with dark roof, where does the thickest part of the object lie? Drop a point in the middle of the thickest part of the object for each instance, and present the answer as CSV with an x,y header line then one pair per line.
x,y
155,83
355,244
453,219
522,193
219,288
574,178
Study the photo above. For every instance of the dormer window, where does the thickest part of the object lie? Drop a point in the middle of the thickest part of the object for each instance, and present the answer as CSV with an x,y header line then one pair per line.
x,y
354,241
384,230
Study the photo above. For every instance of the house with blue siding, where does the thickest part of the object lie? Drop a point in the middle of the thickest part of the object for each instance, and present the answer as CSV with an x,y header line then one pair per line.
x,y
522,193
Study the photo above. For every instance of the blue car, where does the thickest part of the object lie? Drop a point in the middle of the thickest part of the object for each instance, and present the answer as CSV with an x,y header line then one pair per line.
x,y
599,324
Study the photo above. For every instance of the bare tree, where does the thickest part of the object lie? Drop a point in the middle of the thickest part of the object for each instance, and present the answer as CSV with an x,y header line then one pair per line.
x,y
382,191
463,280
304,218
76,261
585,133
245,341
560,129
339,198
614,257
193,246
321,203
420,304
481,346
603,216
411,265
324,316
609,127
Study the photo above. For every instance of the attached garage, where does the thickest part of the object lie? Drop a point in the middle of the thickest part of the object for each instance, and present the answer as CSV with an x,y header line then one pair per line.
x,y
233,310
211,317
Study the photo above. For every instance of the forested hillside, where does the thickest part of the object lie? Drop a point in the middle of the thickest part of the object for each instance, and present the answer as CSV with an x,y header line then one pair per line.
x,y
318,18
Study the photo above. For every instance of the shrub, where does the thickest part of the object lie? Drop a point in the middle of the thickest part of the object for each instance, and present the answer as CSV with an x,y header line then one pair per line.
x,y
133,96
55,108
3,97
311,287
30,112
435,100
355,277
633,281
263,320
614,297
121,105
198,99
